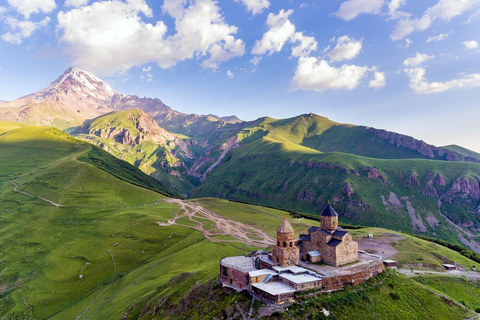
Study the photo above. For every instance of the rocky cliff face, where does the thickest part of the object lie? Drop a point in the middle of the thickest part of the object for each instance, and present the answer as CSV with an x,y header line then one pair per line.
x,y
419,146
466,186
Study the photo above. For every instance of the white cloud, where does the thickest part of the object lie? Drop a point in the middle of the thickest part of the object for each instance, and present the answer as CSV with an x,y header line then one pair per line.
x,y
447,9
440,37
305,45
393,12
109,36
27,7
255,6
282,30
444,10
255,61
20,30
229,74
318,75
148,77
420,85
378,80
346,49
407,26
147,69
472,44
76,3
408,42
352,8
417,60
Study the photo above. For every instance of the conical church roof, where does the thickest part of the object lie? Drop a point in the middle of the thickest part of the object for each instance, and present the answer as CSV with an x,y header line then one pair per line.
x,y
285,227
329,211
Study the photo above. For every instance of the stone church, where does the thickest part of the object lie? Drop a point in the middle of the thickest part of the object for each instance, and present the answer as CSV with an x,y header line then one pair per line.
x,y
329,243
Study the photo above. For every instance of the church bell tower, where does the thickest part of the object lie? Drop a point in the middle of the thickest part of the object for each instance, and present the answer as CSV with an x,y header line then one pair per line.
x,y
285,252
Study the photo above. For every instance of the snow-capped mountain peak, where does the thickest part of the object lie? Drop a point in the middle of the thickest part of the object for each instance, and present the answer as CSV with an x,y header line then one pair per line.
x,y
80,82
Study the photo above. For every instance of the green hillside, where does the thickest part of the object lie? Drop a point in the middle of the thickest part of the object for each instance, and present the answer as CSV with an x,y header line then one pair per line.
x,y
464,151
374,177
284,164
78,240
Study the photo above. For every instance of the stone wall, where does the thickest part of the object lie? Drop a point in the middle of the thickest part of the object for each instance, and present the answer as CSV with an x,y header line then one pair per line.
x,y
275,299
338,282
303,286
347,251
234,278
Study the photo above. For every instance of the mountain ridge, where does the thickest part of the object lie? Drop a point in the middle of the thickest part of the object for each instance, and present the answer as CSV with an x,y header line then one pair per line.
x,y
376,177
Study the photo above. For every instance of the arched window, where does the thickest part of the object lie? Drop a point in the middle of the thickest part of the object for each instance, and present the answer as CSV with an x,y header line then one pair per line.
x,y
278,243
290,244
284,244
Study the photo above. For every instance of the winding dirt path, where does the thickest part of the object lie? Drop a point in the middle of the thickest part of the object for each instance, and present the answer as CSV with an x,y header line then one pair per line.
x,y
223,227
15,186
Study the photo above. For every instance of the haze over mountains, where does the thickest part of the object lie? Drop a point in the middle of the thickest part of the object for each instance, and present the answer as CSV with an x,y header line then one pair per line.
x,y
373,176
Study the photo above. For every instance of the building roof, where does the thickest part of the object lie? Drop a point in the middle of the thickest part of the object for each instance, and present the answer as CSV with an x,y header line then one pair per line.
x,y
334,242
300,278
325,233
389,261
339,233
313,229
314,253
290,269
329,211
240,263
261,272
307,238
273,288
285,227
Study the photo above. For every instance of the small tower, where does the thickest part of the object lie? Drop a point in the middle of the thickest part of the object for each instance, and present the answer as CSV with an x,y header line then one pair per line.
x,y
329,219
285,252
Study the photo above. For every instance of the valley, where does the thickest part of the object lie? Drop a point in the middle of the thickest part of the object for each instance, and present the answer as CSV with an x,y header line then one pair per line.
x,y
126,213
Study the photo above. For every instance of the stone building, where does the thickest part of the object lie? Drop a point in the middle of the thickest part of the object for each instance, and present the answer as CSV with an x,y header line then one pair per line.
x,y
234,271
285,252
329,243
275,277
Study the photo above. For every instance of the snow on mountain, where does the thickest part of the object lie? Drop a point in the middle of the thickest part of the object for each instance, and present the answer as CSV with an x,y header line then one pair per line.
x,y
75,81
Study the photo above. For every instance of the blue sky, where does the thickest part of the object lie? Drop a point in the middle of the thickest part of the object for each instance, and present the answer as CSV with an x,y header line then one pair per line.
x,y
401,65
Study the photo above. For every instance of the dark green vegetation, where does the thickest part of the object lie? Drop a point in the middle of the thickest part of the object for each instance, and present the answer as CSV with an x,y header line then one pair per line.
x,y
101,254
387,296
124,171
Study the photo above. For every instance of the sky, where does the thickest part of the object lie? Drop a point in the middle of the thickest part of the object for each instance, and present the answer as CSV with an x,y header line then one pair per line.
x,y
406,66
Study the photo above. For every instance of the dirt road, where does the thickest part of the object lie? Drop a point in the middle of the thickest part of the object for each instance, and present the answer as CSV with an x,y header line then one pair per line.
x,y
15,186
223,227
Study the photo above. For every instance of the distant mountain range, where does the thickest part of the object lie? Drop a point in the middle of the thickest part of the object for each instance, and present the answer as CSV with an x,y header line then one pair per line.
x,y
374,177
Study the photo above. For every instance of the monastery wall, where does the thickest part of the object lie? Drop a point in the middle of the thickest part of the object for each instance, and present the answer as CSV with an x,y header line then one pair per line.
x,y
338,282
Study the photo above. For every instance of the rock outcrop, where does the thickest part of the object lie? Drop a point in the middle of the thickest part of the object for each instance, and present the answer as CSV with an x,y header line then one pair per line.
x,y
373,173
348,190
412,180
404,141
467,186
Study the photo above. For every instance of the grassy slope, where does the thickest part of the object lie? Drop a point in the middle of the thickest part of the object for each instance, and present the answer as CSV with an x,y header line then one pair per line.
x,y
267,171
464,151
